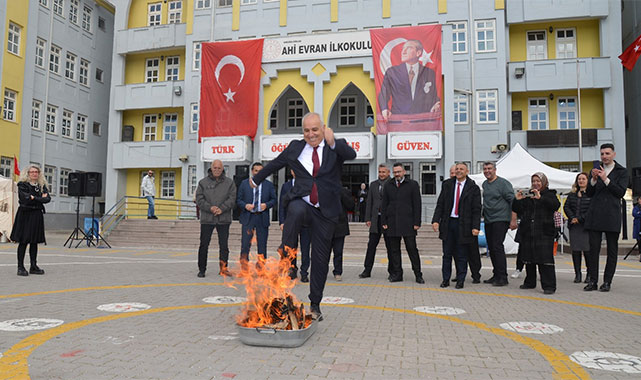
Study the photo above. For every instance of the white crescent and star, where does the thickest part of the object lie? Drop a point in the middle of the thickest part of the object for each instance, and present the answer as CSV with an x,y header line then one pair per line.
x,y
385,58
230,60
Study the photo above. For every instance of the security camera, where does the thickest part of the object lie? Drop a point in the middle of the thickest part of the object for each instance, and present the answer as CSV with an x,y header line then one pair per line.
x,y
499,148
183,158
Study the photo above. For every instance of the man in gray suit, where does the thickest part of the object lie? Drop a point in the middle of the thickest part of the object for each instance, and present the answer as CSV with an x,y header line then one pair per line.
x,y
373,218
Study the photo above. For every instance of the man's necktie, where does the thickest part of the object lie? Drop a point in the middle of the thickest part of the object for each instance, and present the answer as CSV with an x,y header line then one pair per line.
x,y
458,196
313,196
398,184
256,200
411,74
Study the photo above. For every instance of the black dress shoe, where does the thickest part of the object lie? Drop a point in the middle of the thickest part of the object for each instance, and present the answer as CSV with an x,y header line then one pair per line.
x,y
548,291
500,283
459,285
526,287
577,278
304,278
293,273
201,273
605,287
365,274
476,280
590,287
35,270
587,279
489,280
315,311
395,279
22,272
419,280
445,283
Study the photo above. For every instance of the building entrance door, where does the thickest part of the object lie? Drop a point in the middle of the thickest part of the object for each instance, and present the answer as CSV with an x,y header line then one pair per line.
x,y
352,177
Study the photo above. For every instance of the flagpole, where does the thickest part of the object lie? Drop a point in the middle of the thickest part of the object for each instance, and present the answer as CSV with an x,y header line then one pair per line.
x,y
472,106
578,102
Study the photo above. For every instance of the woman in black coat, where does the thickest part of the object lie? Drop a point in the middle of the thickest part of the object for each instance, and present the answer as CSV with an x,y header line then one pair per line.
x,y
576,208
537,232
29,225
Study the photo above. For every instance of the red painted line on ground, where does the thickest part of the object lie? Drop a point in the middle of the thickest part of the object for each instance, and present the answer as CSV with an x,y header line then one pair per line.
x,y
71,354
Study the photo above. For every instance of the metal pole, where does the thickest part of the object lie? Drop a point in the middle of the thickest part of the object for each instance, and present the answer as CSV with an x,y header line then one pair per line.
x,y
472,106
578,103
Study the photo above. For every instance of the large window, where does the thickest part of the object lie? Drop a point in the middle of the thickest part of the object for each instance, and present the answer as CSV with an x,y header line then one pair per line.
x,y
225,3
203,4
86,18
486,106
459,37
41,45
173,67
151,72
67,119
36,111
44,3
81,127
295,113
97,129
167,184
192,180
537,45
347,111
170,126
83,73
194,118
13,40
197,50
538,114
175,11
150,123
58,7
49,173
52,115
70,66
460,108
73,11
6,164
428,179
54,59
153,14
567,113
565,43
9,109
247,2
485,36
64,181
273,118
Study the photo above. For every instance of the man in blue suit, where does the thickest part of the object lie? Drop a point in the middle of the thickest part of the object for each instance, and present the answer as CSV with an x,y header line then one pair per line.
x,y
304,233
254,205
317,161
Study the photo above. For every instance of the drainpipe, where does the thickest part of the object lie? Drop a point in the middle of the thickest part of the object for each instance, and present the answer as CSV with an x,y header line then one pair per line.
x,y
472,90
47,77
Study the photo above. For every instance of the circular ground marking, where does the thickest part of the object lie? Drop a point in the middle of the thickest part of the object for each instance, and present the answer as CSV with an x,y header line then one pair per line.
x,y
123,307
336,300
28,324
224,300
222,337
531,327
442,310
607,361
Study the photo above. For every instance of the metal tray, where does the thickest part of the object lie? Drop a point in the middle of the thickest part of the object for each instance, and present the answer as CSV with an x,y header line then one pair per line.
x,y
267,337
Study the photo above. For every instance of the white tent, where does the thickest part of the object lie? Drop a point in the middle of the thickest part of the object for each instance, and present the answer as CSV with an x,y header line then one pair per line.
x,y
517,166
8,205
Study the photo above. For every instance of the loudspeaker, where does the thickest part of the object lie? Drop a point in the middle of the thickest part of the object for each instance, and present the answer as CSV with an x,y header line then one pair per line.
x,y
517,121
636,186
93,186
77,184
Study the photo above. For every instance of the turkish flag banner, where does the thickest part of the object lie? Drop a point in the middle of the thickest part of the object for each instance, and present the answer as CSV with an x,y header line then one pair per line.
x,y
407,74
16,170
631,54
229,86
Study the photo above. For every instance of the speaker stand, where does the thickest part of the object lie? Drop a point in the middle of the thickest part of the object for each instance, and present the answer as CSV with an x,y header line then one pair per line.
x,y
92,231
75,235
632,249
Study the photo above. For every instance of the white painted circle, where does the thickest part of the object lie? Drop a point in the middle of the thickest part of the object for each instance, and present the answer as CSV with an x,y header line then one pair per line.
x,y
607,361
28,324
531,327
224,300
123,307
336,300
442,310
222,337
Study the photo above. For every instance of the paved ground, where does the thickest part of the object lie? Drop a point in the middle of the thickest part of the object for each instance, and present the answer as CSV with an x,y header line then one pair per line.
x,y
498,333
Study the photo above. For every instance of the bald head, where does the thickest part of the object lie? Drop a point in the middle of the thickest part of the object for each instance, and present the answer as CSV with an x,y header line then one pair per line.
x,y
217,168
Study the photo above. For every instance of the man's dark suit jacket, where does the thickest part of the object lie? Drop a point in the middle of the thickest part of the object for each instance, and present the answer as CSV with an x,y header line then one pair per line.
x,y
328,178
246,195
282,210
401,209
469,210
374,201
396,85
604,213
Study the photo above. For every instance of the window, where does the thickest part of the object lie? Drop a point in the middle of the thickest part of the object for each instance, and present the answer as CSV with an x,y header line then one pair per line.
x,y
81,127
459,37
369,115
40,52
428,179
486,102
565,43
246,2
569,167
73,11
408,169
485,39
203,4
460,108
195,118
192,180
101,24
167,184
347,111
538,114
295,112
567,113
9,109
50,175
537,46
64,181
149,127
97,131
52,114
197,50
83,73
70,66
36,109
6,164
13,40
99,73
54,59
67,118
151,70
173,66
44,3
170,126
58,7
86,19
175,11
225,3
273,118
153,14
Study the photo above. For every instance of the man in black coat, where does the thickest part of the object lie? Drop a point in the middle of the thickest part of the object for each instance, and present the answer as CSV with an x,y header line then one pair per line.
x,y
401,217
457,219
606,187
304,233
317,161
373,219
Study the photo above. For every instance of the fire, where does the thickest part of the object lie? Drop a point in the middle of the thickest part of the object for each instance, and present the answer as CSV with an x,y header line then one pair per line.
x,y
270,301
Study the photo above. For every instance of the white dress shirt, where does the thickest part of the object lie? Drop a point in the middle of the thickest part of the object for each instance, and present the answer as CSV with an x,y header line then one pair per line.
x,y
305,158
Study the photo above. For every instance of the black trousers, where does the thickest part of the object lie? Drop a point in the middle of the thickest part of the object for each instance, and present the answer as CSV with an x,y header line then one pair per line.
x,y
548,276
394,256
206,231
337,247
301,214
576,261
255,222
452,249
612,240
474,259
495,235
305,244
33,254
372,243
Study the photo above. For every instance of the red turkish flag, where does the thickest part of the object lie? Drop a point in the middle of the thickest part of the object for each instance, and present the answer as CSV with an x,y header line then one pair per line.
x,y
16,170
631,54
229,88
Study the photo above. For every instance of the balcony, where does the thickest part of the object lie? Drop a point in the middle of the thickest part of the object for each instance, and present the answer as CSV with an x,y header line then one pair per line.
x,y
149,154
149,95
138,40
558,74
519,11
561,145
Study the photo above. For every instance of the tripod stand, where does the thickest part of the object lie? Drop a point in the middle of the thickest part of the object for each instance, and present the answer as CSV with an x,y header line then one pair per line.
x,y
93,232
75,235
631,249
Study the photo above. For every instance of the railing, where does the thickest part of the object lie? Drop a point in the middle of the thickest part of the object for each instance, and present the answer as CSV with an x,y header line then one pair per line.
x,y
129,207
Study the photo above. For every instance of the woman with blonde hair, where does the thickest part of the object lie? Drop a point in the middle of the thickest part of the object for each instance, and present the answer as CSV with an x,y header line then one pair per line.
x,y
576,208
29,226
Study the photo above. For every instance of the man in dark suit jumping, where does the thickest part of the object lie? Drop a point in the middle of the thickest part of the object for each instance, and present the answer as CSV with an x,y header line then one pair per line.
x,y
305,243
317,161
